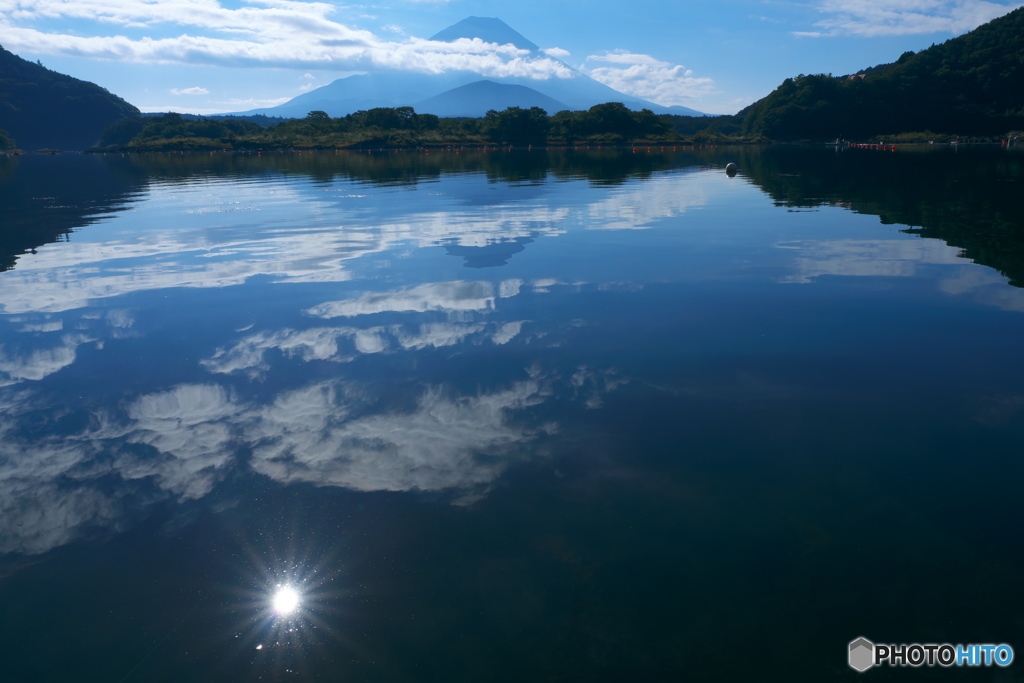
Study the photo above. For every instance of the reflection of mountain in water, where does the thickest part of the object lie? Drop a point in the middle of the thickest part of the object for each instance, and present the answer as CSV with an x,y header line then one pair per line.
x,y
46,198
969,198
489,255
219,232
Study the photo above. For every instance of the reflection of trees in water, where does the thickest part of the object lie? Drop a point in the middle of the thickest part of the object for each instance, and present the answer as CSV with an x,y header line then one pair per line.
x,y
969,198
47,198
604,166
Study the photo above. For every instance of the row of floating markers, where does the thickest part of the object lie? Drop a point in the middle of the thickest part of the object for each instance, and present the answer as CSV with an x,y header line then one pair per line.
x,y
674,149
884,148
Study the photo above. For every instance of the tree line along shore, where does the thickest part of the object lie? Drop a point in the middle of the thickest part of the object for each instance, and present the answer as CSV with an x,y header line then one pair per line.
x,y
401,127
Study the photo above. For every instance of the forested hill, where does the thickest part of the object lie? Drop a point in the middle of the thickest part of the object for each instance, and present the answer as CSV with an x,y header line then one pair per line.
x,y
970,85
42,108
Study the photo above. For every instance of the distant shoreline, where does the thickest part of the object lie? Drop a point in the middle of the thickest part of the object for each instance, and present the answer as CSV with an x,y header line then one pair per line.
x,y
639,147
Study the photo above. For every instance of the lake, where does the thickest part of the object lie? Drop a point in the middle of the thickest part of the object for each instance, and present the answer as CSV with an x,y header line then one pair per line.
x,y
563,415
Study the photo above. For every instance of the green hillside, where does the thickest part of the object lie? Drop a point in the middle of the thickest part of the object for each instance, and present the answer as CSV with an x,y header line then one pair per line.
x,y
42,108
969,85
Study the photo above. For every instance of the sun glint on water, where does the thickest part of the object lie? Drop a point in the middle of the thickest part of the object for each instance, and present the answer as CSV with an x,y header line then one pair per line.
x,y
285,600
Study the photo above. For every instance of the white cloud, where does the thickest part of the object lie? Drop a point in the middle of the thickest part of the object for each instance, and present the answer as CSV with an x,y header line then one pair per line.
x,y
648,78
869,18
263,34
190,91
556,52
254,102
628,58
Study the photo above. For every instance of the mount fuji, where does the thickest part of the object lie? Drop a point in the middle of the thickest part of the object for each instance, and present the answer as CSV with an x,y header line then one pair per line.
x,y
464,93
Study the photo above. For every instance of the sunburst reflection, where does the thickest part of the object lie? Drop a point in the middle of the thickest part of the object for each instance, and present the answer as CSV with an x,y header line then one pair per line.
x,y
288,609
286,600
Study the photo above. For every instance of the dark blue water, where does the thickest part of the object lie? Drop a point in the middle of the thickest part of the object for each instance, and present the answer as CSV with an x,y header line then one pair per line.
x,y
569,415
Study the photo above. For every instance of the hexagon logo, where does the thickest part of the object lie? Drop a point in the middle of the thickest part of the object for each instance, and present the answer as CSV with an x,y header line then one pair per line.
x,y
862,654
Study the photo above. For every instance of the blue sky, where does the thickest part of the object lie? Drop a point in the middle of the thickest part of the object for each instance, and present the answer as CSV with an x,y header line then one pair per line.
x,y
717,56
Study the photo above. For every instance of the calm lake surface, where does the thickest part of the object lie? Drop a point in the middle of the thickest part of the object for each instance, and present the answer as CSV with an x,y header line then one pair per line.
x,y
509,416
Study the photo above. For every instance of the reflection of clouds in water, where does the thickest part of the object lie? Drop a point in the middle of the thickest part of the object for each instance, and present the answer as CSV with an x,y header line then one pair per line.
x,y
314,344
342,344
984,286
902,258
36,363
450,297
37,515
179,443
870,258
436,335
637,207
42,359
65,276
56,487
68,275
435,296
507,332
445,443
189,427
591,386
509,288
120,318
47,326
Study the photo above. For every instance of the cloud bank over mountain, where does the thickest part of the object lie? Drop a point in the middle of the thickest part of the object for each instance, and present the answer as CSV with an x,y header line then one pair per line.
x,y
309,36
282,34
258,53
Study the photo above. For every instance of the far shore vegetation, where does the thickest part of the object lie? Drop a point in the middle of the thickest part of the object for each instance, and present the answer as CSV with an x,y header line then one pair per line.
x,y
401,127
